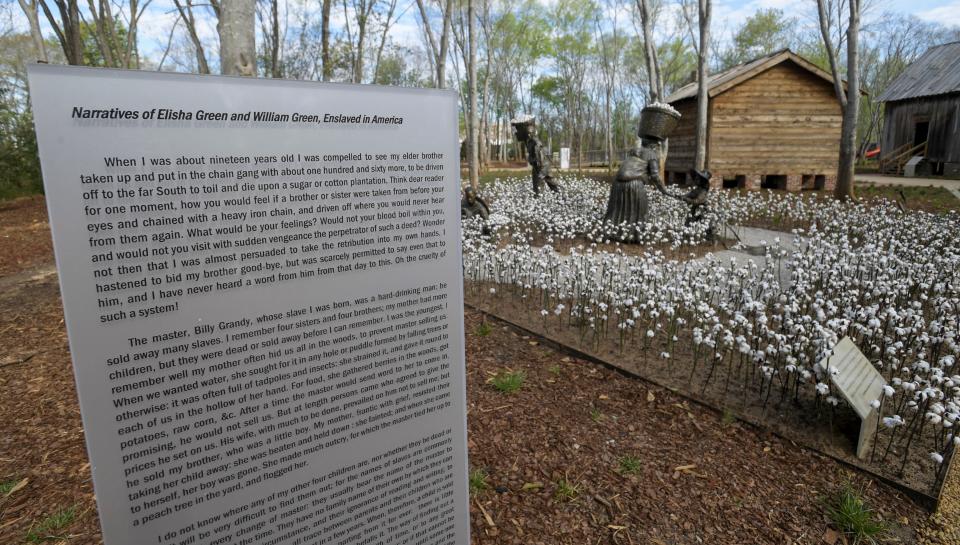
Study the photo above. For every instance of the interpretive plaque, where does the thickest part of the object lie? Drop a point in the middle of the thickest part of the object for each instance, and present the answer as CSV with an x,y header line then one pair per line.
x,y
860,383
263,295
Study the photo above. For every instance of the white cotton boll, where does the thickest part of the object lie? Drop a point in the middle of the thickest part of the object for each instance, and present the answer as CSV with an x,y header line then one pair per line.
x,y
875,404
650,333
892,421
493,290
888,390
822,388
832,400
936,457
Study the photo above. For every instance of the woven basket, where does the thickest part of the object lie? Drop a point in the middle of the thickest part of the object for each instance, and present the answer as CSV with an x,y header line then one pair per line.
x,y
523,129
657,123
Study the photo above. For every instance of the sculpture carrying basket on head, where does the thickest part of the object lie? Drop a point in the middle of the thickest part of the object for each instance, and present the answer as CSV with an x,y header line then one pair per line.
x,y
657,121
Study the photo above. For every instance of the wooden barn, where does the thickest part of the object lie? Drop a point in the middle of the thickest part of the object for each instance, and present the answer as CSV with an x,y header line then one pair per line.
x,y
922,115
774,122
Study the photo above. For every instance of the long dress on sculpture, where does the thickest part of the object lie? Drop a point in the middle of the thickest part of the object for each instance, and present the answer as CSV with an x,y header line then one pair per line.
x,y
628,197
628,205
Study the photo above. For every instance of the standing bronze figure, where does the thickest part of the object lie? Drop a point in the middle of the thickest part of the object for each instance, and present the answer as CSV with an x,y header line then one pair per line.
x,y
628,202
526,132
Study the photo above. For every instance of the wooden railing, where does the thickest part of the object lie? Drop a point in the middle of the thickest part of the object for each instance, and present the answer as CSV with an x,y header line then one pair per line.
x,y
895,161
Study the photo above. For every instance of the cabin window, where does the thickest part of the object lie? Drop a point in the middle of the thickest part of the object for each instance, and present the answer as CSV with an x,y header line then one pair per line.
x,y
731,183
820,182
774,181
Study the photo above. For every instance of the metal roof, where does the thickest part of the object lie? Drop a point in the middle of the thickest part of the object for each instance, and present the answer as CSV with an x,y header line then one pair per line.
x,y
936,72
731,77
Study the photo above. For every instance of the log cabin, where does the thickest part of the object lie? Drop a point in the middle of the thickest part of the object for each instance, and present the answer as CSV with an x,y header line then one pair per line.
x,y
773,122
922,115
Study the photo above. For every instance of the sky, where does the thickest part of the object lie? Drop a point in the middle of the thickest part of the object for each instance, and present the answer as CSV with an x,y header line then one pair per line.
x,y
728,14
943,11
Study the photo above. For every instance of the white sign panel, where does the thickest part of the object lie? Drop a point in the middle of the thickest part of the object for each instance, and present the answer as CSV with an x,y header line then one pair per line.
x,y
262,288
860,383
564,158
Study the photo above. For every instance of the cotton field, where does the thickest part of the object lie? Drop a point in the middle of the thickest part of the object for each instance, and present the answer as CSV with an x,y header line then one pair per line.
x,y
887,278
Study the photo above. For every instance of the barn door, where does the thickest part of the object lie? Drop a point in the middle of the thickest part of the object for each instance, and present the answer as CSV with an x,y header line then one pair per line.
x,y
921,131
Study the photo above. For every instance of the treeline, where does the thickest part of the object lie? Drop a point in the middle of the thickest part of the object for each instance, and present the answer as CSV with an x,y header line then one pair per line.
x,y
579,66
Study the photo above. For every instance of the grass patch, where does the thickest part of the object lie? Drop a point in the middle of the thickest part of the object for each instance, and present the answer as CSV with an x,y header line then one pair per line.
x,y
928,199
478,481
555,369
484,329
566,490
508,382
48,528
596,415
7,486
728,418
851,515
630,465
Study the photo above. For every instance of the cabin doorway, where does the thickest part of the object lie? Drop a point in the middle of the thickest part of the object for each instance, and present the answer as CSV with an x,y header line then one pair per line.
x,y
921,131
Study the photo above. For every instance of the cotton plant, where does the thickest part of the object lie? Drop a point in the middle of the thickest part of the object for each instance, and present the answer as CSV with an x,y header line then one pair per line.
x,y
888,279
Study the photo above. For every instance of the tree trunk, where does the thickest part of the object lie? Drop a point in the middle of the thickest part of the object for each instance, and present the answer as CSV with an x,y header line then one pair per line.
x,y
650,52
237,29
186,13
703,87
275,71
848,131
327,68
67,28
472,81
33,19
850,99
444,45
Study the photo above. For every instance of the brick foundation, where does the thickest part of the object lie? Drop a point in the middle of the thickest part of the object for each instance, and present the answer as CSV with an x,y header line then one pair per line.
x,y
829,182
716,181
794,182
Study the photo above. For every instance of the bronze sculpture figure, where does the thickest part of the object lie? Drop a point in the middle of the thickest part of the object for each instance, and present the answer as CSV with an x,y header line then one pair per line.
x,y
472,205
525,131
628,202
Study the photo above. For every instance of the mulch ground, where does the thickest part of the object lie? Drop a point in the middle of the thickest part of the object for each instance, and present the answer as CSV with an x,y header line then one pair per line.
x,y
696,477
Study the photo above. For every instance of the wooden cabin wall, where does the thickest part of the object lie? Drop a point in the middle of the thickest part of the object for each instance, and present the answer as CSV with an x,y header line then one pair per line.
x,y
682,143
782,121
943,113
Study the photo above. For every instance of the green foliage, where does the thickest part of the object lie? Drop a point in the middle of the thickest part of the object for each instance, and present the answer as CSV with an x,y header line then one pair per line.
x,y
728,418
678,62
19,162
850,514
566,490
478,481
596,415
555,369
92,48
630,465
48,528
7,486
484,329
508,381
764,32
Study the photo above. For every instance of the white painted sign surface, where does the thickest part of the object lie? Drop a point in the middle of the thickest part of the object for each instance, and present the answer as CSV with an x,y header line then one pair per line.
x,y
564,158
856,378
262,288
860,383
